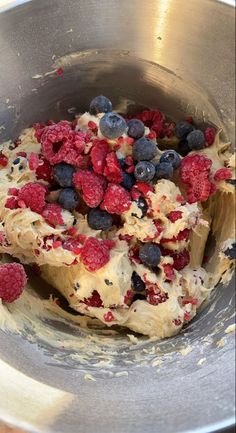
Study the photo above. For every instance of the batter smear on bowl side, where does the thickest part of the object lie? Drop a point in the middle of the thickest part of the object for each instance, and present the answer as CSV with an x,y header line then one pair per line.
x,y
116,213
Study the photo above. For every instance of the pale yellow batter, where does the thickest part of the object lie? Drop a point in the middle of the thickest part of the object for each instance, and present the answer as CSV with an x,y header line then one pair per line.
x,y
24,232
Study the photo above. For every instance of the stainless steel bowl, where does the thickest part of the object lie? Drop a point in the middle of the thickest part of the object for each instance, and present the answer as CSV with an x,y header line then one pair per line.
x,y
174,55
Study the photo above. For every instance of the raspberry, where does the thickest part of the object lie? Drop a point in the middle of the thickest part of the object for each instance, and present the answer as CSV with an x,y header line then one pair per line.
x,y
177,322
193,301
154,295
183,235
3,160
153,119
23,154
72,245
174,215
44,171
94,300
194,172
210,134
13,191
169,129
192,165
108,317
33,194
144,188
222,174
61,143
169,273
98,155
187,316
12,281
116,199
92,187
12,203
94,254
181,260
200,190
33,161
128,297
52,213
113,171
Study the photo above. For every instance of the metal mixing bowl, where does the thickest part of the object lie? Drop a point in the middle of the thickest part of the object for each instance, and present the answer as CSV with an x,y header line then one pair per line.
x,y
176,55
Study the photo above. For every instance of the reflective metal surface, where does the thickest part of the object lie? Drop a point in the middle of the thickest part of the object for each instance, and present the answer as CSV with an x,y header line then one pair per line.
x,y
176,55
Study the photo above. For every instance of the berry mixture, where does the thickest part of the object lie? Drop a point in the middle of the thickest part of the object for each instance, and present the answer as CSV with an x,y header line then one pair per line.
x,y
113,215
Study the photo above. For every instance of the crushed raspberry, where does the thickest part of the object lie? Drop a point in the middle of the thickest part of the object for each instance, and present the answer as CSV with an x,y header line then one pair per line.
x,y
13,191
134,255
60,72
194,172
92,125
56,244
210,134
72,231
52,213
92,187
181,260
183,235
112,170
94,254
193,301
187,316
61,143
109,243
22,154
169,272
44,171
169,129
129,160
189,119
3,160
72,245
154,294
222,174
130,169
94,300
177,322
33,194
12,281
153,119
12,203
108,317
128,297
116,199
175,215
152,135
180,199
144,188
127,238
33,161
99,153
135,194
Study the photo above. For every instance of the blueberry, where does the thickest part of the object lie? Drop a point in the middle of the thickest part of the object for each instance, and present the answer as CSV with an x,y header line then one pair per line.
x,y
63,174
100,104
231,252
144,171
182,129
183,147
136,128
68,199
128,181
122,162
144,149
16,161
164,170
150,254
196,140
142,205
99,219
172,157
112,125
137,282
